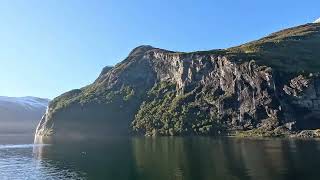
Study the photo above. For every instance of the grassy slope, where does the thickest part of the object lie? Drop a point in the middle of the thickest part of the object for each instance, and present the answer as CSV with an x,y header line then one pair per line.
x,y
291,50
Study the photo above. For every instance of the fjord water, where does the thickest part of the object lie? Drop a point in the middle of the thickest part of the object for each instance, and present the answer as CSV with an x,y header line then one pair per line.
x,y
163,158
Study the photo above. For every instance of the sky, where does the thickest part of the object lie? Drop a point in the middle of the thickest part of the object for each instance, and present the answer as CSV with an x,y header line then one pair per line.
x,y
48,47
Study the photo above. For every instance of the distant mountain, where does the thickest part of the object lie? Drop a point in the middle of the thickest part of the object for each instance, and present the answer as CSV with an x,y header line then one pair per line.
x,y
317,21
21,114
268,87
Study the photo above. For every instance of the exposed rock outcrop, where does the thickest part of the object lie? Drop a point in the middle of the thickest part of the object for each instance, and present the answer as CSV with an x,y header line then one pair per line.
x,y
249,88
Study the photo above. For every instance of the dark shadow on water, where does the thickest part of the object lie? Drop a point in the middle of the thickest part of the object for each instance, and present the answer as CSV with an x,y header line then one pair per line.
x,y
96,159
186,158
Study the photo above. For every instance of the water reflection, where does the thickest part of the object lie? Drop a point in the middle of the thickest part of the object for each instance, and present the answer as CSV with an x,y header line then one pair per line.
x,y
193,158
17,162
108,159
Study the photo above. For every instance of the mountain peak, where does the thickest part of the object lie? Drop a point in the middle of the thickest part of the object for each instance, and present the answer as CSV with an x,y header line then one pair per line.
x,y
140,50
317,21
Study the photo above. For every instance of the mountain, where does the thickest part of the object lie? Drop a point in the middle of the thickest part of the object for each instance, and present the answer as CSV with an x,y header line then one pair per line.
x,y
21,114
317,21
268,87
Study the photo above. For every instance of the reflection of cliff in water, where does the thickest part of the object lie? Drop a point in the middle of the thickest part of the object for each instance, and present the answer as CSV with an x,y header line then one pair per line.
x,y
175,158
188,158
280,158
226,158
110,159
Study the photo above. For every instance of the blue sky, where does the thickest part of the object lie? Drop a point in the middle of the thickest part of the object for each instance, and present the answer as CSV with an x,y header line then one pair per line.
x,y
48,47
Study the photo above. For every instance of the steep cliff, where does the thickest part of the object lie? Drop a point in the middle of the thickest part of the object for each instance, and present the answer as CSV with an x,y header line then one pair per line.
x,y
267,87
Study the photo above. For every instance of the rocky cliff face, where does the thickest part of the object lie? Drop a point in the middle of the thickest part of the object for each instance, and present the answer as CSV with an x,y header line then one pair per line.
x,y
249,89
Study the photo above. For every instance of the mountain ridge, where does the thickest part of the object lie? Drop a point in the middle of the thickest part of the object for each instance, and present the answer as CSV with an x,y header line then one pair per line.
x,y
21,114
253,88
26,100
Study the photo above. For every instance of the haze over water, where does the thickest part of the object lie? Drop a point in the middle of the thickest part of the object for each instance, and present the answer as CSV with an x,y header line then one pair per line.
x,y
161,158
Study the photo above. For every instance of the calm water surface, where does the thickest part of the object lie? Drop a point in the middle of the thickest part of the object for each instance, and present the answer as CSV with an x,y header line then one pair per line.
x,y
197,158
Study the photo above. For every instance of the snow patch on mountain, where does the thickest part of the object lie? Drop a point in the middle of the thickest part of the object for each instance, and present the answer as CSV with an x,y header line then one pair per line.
x,y
317,21
27,102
